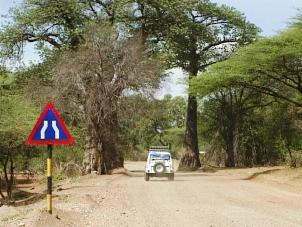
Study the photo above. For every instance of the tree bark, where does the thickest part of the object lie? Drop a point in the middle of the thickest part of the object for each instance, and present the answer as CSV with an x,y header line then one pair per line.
x,y
112,156
8,176
190,156
232,145
230,160
1,193
11,179
101,150
92,154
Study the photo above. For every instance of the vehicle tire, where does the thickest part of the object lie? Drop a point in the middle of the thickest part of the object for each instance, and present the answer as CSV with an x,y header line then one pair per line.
x,y
159,168
147,177
171,176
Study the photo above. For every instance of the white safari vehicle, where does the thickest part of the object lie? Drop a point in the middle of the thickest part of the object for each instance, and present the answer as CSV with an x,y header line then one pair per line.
x,y
159,163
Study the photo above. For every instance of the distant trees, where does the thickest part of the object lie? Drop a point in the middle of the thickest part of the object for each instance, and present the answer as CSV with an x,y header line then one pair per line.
x,y
152,122
225,122
270,70
229,109
16,118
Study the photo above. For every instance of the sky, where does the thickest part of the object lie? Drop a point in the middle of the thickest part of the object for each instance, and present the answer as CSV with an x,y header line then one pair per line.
x,y
270,15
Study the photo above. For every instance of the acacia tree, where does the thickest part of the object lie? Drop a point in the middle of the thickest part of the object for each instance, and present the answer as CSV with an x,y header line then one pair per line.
x,y
8,152
227,110
16,119
95,77
271,66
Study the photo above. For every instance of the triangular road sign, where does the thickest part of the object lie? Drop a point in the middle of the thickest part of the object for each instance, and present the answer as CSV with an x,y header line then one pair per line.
x,y
49,129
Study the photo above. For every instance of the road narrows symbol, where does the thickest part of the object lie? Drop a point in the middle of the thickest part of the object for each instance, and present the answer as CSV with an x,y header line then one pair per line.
x,y
56,129
43,130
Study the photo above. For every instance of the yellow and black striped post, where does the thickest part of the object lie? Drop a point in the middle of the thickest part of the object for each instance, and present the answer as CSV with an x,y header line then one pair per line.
x,y
49,179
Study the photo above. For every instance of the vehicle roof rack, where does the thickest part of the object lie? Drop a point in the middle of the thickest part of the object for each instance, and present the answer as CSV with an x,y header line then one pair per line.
x,y
159,148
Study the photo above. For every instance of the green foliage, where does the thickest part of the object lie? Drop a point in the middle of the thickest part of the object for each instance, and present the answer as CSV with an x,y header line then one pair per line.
x,y
17,116
174,137
152,122
204,33
270,66
56,23
270,70
176,111
265,134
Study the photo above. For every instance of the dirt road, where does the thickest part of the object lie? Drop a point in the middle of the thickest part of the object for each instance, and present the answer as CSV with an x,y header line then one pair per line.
x,y
246,197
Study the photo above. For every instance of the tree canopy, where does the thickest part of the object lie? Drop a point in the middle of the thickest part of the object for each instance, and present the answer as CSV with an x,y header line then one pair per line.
x,y
269,73
271,66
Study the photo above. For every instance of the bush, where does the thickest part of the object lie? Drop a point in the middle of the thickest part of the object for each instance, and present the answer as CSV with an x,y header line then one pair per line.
x,y
295,160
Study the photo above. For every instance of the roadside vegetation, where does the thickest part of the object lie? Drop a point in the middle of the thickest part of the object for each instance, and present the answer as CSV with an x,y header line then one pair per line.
x,y
102,61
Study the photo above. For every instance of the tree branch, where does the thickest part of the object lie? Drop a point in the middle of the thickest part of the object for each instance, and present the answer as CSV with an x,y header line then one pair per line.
x,y
270,92
280,80
30,37
206,48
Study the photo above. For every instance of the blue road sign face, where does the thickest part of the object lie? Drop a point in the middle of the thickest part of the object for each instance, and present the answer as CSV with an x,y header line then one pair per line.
x,y
50,129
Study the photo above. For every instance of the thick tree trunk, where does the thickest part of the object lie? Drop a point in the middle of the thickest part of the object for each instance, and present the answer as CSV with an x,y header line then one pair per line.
x,y
230,160
101,148
112,156
190,156
92,155
232,146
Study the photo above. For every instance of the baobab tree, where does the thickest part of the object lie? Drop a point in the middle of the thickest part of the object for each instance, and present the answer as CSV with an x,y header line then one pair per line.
x,y
94,78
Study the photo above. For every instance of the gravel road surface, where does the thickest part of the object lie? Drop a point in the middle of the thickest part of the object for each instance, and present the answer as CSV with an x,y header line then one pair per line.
x,y
220,198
